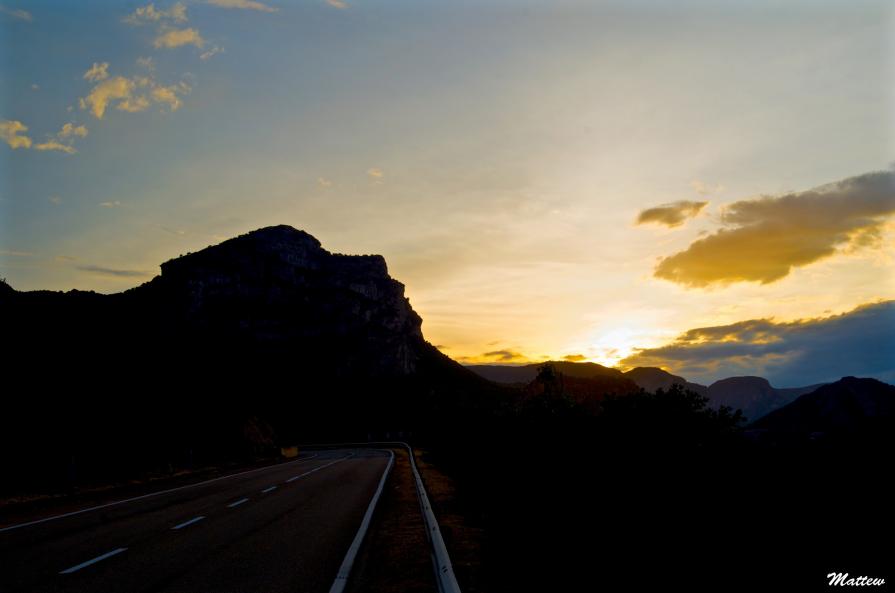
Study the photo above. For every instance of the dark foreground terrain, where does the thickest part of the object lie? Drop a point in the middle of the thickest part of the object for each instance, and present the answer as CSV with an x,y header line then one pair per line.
x,y
267,340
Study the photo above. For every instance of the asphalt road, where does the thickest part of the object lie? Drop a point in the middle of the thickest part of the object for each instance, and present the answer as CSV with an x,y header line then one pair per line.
x,y
277,529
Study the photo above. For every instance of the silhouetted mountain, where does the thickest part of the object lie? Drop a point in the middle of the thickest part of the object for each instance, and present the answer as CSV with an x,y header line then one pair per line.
x,y
525,374
753,395
267,328
652,379
849,405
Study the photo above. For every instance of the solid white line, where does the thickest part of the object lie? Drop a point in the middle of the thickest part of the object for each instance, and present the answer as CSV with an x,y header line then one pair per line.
x,y
266,490
190,522
237,503
341,581
110,504
94,561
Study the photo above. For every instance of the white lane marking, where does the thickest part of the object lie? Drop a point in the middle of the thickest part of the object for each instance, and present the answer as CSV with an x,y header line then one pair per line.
x,y
237,503
94,561
190,522
266,490
341,581
317,469
110,504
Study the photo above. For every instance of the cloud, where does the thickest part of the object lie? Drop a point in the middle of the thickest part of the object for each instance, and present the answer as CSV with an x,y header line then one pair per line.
x,y
706,189
55,200
17,13
803,352
35,87
53,144
114,272
173,38
766,238
207,55
244,4
337,4
9,133
112,89
574,357
123,93
11,253
97,72
504,356
150,14
114,204
147,63
168,94
324,182
71,130
671,215
375,173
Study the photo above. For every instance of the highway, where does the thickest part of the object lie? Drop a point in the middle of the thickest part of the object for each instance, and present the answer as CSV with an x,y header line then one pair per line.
x,y
276,529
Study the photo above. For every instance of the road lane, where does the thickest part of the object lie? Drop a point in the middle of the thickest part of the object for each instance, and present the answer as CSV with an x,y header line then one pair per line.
x,y
230,536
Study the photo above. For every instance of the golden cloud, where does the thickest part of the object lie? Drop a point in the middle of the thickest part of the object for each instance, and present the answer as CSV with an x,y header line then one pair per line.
x,y
173,38
55,145
123,93
9,133
671,215
767,237
244,4
150,14
70,130
111,89
859,342
97,72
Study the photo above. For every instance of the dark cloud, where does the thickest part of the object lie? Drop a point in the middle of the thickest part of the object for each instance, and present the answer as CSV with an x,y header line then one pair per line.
x,y
671,215
113,272
504,356
860,343
765,238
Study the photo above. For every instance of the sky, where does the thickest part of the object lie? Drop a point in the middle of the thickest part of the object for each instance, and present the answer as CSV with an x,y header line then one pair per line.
x,y
629,183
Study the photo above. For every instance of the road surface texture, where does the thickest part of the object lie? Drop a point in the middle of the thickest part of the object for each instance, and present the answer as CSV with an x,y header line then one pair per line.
x,y
280,528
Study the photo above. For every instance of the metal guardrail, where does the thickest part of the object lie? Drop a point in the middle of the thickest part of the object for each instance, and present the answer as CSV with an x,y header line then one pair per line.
x,y
441,561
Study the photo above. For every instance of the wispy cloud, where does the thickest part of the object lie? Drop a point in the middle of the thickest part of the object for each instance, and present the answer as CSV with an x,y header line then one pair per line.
x,y
54,200
766,238
324,182
210,53
173,38
97,72
671,215
706,189
103,271
243,4
112,204
132,95
17,13
53,144
150,14
375,173
71,130
337,4
504,356
11,132
118,88
806,351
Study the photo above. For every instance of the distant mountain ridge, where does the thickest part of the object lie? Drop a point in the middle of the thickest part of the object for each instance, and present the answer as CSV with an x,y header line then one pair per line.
x,y
755,396
848,405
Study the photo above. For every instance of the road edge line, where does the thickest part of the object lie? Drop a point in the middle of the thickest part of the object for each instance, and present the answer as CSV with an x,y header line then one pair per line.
x,y
344,573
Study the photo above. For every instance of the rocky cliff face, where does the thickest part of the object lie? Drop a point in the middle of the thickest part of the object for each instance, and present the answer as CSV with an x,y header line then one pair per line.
x,y
278,288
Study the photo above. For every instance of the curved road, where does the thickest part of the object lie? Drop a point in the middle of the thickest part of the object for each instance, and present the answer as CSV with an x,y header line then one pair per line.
x,y
277,529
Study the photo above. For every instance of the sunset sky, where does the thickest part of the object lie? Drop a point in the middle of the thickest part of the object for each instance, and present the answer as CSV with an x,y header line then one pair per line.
x,y
703,186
